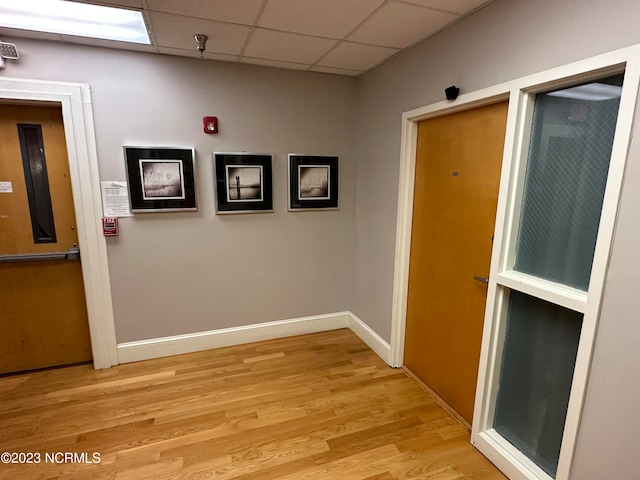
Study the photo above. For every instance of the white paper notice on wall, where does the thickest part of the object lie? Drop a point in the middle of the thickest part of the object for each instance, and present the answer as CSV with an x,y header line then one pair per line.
x,y
115,199
6,187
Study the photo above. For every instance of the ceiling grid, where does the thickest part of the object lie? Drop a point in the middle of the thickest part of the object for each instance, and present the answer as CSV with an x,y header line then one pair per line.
x,y
346,37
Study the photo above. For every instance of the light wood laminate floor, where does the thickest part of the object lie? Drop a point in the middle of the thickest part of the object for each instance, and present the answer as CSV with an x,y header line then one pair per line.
x,y
320,406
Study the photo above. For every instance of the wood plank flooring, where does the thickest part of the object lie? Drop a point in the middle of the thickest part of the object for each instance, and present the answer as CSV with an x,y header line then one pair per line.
x,y
312,407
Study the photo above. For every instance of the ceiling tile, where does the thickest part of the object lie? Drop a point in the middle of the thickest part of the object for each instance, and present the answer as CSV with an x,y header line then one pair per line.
x,y
336,71
176,31
196,54
273,63
115,3
236,11
16,32
354,56
287,47
401,25
454,6
324,18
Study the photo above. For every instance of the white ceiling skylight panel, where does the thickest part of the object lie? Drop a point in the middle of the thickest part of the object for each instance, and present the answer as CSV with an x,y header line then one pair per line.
x,y
590,91
72,18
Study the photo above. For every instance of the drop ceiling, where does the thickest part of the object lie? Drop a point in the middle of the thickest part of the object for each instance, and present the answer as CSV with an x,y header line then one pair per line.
x,y
345,37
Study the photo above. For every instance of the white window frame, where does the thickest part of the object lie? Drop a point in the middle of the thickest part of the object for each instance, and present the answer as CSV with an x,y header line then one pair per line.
x,y
521,94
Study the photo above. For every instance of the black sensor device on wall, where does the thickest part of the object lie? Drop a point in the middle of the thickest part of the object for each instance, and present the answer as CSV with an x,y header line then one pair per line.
x,y
452,92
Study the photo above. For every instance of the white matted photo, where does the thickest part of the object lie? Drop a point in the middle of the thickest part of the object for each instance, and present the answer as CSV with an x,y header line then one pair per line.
x,y
244,183
314,182
162,179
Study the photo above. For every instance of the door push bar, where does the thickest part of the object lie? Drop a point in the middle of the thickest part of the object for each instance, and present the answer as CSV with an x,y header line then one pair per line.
x,y
72,254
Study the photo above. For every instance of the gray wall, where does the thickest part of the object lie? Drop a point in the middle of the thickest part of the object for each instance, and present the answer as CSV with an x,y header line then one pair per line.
x,y
509,39
175,273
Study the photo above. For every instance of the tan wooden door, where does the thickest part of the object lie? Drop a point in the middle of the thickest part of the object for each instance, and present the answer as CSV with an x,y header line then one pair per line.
x,y
457,174
43,315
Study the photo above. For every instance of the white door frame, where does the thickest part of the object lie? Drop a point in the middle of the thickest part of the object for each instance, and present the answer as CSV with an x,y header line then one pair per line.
x,y
521,93
410,122
77,114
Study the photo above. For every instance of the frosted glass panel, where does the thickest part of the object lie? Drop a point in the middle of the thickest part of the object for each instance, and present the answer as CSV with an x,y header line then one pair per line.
x,y
568,162
537,369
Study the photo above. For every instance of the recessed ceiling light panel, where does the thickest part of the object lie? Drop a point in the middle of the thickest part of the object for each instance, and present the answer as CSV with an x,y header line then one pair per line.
x,y
72,18
590,91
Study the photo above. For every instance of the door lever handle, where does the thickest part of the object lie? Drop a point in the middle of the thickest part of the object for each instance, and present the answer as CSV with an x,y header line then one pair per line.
x,y
484,280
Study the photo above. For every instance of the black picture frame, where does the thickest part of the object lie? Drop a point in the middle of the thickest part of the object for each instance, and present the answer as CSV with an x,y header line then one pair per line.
x,y
244,182
313,182
161,179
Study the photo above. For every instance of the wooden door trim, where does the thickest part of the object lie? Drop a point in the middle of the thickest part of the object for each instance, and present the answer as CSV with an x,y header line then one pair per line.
x,y
77,114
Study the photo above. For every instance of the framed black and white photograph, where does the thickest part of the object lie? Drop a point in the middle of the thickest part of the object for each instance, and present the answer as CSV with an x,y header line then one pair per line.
x,y
243,182
160,179
313,182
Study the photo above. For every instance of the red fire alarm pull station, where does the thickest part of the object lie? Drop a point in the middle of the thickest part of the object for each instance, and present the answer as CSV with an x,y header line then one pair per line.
x,y
110,226
210,124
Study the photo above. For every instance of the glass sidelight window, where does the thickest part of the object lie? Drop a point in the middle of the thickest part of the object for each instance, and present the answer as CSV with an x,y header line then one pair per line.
x,y
556,222
569,155
535,382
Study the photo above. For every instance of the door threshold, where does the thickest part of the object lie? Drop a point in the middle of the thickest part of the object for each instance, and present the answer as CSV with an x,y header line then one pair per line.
x,y
45,369
438,399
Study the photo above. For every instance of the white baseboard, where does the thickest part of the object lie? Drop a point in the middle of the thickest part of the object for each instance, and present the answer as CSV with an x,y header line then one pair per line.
x,y
371,338
195,342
